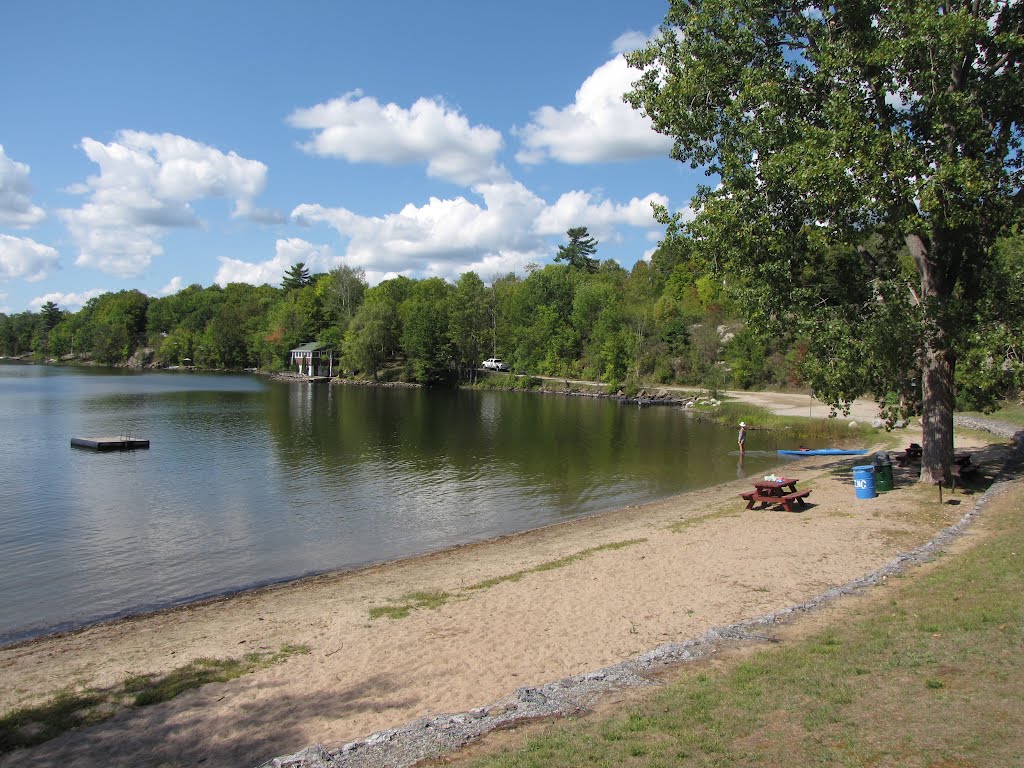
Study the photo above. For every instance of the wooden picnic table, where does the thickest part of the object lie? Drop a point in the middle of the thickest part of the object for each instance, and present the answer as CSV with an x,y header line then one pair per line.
x,y
775,488
782,491
962,469
905,457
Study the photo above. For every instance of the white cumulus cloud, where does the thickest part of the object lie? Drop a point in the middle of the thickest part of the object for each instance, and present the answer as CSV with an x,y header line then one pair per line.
x,y
632,41
317,258
22,257
16,208
173,286
597,127
72,301
510,228
601,217
360,129
145,187
442,237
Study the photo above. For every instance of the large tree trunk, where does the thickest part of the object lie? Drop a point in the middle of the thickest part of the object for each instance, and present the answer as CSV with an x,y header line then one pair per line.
x,y
939,363
937,402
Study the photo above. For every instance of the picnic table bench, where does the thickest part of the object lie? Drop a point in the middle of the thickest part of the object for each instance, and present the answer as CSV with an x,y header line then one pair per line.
x,y
962,471
911,453
797,497
961,462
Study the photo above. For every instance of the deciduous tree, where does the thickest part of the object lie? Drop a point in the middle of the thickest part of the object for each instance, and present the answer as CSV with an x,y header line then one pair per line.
x,y
469,322
342,291
893,127
425,337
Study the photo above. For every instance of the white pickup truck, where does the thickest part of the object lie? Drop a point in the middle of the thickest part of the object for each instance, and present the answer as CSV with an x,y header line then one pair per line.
x,y
495,364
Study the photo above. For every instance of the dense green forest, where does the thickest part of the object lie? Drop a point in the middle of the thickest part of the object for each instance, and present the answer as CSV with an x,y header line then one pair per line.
x,y
667,320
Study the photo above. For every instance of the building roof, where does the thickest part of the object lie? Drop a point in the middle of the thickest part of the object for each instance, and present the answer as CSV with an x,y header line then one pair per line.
x,y
312,346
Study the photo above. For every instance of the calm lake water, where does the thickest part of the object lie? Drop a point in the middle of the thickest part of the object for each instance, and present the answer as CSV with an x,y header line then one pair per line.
x,y
250,481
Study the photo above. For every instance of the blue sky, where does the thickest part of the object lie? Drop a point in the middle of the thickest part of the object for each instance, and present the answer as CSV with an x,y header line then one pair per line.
x,y
155,145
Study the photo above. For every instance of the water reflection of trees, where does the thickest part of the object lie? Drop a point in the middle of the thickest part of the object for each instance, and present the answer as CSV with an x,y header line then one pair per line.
x,y
574,451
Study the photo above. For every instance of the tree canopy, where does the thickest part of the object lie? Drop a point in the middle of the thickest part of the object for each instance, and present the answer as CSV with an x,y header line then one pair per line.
x,y
870,158
669,320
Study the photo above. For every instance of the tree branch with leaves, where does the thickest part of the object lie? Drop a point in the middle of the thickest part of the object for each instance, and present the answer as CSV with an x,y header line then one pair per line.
x,y
890,125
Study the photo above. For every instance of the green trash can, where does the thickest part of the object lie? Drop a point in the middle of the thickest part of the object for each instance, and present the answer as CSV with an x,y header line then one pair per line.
x,y
883,472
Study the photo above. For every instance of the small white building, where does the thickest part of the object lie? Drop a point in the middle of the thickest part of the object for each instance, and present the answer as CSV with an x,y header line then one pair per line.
x,y
313,359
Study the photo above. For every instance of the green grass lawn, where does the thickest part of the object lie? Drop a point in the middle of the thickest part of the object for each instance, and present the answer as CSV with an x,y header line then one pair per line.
x,y
927,670
798,428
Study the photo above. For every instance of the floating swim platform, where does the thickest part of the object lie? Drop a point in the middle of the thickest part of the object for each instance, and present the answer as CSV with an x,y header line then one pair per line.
x,y
109,443
825,452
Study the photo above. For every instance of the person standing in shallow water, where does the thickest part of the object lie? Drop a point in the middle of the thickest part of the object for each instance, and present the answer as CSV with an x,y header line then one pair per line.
x,y
742,439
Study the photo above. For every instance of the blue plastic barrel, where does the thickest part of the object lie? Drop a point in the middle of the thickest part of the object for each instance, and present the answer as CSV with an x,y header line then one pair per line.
x,y
864,481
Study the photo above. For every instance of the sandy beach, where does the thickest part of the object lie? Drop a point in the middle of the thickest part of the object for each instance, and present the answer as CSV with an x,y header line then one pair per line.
x,y
674,568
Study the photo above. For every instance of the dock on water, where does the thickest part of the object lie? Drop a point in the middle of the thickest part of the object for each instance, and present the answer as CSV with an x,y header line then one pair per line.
x,y
120,443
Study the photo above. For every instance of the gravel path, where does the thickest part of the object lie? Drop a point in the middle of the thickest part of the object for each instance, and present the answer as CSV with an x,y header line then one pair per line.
x,y
993,427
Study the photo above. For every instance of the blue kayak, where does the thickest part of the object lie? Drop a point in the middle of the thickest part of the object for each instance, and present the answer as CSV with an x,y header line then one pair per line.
x,y
825,452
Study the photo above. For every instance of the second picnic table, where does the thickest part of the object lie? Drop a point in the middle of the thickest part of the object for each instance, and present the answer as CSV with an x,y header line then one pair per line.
x,y
779,491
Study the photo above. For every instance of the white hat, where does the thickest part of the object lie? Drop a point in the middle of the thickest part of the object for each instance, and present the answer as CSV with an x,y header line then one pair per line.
x,y
742,424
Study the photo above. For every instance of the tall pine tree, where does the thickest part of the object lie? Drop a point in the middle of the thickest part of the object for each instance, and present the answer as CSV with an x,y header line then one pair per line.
x,y
579,250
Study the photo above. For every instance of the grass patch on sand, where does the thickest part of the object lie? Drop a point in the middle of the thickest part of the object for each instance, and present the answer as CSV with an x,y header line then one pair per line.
x,y
553,564
70,708
927,673
410,602
692,522
154,689
799,429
